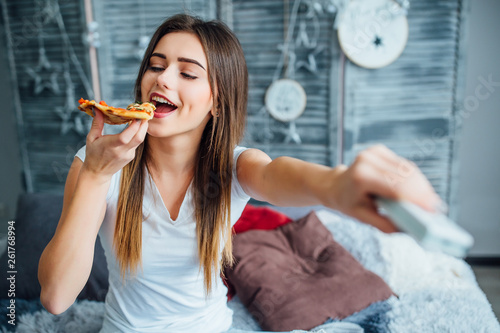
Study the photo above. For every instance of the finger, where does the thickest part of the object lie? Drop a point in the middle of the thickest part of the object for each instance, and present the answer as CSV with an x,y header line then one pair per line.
x,y
373,179
415,187
386,161
371,216
128,133
404,179
385,153
141,133
96,127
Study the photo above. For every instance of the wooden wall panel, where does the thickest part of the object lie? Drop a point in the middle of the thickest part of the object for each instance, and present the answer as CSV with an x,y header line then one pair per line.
x,y
259,26
30,27
409,105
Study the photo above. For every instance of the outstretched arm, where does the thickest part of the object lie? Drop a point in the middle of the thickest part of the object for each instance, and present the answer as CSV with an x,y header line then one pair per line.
x,y
377,171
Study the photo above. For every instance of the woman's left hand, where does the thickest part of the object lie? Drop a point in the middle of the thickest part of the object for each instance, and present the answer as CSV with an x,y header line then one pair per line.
x,y
378,171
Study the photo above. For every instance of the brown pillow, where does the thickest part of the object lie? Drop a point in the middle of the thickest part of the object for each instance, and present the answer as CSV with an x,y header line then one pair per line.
x,y
297,276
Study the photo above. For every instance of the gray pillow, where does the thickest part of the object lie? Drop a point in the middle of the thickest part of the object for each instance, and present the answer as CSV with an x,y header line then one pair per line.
x,y
36,221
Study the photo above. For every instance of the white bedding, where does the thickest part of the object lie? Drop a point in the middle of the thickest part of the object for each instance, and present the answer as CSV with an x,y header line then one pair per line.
x,y
437,293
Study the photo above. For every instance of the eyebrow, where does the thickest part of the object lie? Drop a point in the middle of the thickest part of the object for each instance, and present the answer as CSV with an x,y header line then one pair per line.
x,y
181,59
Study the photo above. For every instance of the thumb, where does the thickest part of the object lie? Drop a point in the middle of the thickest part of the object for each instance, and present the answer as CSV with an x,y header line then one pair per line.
x,y
97,126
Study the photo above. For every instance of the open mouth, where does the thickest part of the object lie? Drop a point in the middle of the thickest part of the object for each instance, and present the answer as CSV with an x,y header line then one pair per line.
x,y
163,106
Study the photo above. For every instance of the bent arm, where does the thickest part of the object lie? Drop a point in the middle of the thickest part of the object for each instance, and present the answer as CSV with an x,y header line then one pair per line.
x,y
66,262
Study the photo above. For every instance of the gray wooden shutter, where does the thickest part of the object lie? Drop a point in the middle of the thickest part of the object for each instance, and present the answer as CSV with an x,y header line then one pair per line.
x,y
47,147
409,105
259,26
48,142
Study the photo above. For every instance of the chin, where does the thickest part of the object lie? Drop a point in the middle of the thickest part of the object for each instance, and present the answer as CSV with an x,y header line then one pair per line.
x,y
158,130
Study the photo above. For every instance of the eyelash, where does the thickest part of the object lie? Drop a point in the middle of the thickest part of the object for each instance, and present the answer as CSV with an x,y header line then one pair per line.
x,y
160,69
155,69
189,77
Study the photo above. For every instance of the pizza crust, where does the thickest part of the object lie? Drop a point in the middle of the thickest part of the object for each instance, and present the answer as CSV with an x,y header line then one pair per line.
x,y
116,116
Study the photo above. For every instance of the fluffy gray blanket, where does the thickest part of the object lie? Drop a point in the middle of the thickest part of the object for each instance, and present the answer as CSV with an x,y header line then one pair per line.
x,y
437,293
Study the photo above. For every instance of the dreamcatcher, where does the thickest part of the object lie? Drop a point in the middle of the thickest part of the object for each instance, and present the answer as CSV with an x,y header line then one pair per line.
x,y
285,98
374,33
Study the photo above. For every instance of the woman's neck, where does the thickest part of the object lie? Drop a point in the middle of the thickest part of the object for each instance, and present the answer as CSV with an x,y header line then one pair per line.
x,y
172,156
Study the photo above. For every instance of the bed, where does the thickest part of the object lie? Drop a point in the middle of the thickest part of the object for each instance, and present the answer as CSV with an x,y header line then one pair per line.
x,y
435,292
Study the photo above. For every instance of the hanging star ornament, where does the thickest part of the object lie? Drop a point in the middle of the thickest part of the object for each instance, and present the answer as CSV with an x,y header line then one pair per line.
x,y
310,64
292,135
64,112
45,75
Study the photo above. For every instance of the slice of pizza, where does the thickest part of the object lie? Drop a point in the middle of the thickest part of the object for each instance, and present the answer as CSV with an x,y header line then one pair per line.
x,y
116,116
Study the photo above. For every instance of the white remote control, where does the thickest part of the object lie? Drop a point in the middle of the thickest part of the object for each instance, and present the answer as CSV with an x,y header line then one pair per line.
x,y
434,231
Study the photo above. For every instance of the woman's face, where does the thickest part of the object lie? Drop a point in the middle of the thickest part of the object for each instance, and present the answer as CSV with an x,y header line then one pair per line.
x,y
176,81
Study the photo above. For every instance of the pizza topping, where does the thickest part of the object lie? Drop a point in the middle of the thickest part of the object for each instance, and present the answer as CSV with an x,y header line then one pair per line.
x,y
140,106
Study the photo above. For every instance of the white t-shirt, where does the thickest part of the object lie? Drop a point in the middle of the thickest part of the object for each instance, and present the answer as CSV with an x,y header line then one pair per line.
x,y
169,295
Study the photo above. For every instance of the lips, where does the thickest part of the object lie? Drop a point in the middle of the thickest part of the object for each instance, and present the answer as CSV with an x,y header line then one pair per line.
x,y
163,105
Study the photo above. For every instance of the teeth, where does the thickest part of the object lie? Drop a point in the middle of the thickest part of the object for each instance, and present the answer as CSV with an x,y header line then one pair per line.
x,y
161,100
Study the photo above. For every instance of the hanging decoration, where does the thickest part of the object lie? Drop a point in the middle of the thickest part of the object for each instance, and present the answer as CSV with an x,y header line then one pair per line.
x,y
44,75
285,98
373,33
65,112
70,117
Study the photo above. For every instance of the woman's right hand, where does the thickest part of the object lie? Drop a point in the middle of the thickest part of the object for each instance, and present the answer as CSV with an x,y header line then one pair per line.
x,y
107,154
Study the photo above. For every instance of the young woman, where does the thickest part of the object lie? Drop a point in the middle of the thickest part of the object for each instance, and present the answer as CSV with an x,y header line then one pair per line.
x,y
164,194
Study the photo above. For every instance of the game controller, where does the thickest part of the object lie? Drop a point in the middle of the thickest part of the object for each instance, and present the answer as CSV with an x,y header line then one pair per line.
x,y
433,231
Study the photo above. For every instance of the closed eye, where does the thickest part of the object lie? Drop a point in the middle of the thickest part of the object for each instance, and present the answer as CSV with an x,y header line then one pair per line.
x,y
189,77
156,69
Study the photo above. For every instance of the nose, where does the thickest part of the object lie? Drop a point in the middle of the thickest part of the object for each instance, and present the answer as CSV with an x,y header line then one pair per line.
x,y
166,78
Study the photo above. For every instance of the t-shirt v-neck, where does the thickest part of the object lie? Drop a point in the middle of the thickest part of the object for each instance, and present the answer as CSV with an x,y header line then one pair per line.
x,y
158,199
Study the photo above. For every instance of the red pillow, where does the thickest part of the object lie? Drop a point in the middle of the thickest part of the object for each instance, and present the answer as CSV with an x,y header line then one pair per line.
x,y
261,218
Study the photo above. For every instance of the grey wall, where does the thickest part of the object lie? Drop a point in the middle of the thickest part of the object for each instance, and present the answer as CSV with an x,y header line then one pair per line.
x,y
10,165
479,189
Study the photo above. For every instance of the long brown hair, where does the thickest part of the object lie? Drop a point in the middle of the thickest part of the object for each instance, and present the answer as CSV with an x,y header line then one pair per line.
x,y
228,78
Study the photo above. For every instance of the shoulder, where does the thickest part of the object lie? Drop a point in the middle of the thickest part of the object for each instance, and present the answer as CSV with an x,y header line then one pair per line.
x,y
248,157
250,168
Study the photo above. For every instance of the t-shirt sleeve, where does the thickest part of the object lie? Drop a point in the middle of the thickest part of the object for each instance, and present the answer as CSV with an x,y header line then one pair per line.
x,y
81,153
237,189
